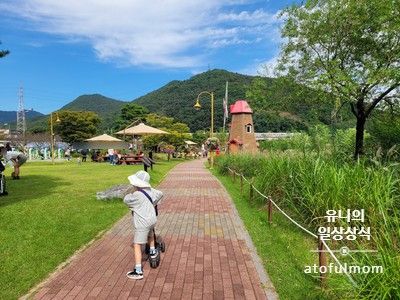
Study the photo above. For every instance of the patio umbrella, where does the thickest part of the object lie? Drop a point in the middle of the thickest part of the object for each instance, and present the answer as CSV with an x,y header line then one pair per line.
x,y
190,143
103,138
141,129
105,141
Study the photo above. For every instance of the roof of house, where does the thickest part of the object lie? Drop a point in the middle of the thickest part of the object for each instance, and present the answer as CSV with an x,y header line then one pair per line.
x,y
240,107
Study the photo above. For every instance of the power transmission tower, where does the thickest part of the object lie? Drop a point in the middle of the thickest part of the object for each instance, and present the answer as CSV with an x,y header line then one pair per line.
x,y
21,122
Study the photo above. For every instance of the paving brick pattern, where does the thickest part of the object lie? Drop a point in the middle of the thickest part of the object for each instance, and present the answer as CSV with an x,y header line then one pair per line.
x,y
207,254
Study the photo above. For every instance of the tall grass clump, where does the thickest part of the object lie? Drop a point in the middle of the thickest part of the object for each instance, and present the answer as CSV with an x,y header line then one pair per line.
x,y
298,141
246,165
306,186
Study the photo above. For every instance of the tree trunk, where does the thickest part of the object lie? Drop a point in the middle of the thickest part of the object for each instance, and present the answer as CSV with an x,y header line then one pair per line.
x,y
360,127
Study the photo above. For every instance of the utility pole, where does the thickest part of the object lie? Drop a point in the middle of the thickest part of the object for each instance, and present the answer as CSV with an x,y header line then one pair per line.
x,y
21,122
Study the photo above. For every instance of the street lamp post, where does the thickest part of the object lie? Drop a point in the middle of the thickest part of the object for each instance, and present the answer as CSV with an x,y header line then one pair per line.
x,y
52,135
197,106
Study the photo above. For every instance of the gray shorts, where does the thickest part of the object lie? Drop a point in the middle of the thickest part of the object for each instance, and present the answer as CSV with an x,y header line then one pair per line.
x,y
21,159
141,235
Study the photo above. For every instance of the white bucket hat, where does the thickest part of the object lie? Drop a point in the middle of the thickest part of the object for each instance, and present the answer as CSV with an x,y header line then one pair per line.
x,y
140,179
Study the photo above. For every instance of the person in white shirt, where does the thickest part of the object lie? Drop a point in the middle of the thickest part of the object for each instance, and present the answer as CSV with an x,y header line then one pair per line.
x,y
141,199
17,158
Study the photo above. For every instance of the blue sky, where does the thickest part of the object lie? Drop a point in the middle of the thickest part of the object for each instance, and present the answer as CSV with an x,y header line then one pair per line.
x,y
124,49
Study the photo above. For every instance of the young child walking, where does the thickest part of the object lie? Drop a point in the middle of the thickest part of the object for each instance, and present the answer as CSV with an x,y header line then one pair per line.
x,y
141,200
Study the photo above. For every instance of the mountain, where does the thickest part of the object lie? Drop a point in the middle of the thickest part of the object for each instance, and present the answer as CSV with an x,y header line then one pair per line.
x,y
106,108
11,116
278,105
176,99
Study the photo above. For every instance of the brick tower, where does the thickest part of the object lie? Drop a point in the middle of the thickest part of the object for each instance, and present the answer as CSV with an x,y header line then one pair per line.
x,y
241,133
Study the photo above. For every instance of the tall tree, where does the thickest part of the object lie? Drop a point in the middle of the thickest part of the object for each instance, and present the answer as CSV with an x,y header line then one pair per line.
x,y
129,113
76,126
3,52
348,48
178,132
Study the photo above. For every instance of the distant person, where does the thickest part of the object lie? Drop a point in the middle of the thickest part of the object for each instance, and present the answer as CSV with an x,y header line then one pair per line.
x,y
84,153
67,154
17,158
40,153
115,158
204,150
3,191
94,156
110,155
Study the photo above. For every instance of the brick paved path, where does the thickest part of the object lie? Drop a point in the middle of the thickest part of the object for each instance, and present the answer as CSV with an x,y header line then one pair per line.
x,y
206,247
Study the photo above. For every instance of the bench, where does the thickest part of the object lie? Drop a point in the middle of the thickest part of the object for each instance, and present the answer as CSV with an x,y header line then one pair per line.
x,y
130,159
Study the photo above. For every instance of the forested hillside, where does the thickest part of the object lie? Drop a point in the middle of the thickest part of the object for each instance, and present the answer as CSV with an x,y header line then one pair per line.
x,y
278,105
176,99
11,116
107,109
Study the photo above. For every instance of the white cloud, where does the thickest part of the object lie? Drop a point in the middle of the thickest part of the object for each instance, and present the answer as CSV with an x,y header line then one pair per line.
x,y
162,33
262,68
258,16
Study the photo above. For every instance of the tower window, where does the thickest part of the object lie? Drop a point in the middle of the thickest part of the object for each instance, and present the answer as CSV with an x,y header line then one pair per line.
x,y
249,128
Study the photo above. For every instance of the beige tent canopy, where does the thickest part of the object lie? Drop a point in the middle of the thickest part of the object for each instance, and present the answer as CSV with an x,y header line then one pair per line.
x,y
103,138
141,129
104,141
190,143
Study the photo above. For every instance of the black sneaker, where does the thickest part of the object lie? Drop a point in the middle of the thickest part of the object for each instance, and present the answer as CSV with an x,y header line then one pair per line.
x,y
134,275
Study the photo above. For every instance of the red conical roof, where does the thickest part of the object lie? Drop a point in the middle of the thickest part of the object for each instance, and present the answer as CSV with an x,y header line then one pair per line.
x,y
240,107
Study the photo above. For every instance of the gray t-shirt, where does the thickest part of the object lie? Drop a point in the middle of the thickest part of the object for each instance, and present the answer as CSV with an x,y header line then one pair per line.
x,y
144,215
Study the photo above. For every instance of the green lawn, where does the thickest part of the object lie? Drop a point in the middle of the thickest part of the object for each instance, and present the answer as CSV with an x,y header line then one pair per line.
x,y
283,248
51,212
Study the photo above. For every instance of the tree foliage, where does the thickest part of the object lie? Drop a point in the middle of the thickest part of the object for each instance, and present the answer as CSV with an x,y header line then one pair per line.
x,y
385,129
350,49
280,104
200,136
76,126
130,113
178,132
4,52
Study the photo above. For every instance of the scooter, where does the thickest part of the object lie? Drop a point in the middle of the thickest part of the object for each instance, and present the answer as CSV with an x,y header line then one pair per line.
x,y
160,246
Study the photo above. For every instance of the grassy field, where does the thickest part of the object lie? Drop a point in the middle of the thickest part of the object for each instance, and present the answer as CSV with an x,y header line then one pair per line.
x,y
283,249
51,212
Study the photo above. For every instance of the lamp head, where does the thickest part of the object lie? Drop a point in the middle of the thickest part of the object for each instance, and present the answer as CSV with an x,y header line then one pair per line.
x,y
58,119
197,106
